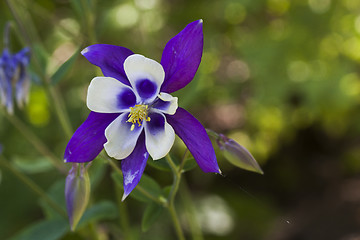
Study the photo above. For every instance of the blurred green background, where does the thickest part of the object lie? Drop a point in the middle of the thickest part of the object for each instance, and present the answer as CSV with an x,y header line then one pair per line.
x,y
281,77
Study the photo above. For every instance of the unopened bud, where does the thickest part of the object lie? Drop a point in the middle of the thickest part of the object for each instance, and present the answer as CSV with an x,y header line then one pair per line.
x,y
237,154
77,193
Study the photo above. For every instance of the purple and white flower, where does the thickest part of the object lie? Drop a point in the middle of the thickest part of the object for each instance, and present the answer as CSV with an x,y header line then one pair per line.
x,y
133,114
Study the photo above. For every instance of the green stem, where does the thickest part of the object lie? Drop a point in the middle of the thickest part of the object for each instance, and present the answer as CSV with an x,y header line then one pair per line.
x,y
176,222
89,21
183,160
33,186
190,212
59,108
123,215
171,207
93,231
35,141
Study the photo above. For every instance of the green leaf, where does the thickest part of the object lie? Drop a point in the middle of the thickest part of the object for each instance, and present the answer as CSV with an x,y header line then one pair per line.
x,y
57,193
189,164
147,186
105,210
96,172
167,190
64,68
160,164
48,229
35,165
151,214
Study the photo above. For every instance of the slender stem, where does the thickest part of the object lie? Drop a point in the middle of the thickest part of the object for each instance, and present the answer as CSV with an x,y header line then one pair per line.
x,y
123,215
176,222
190,212
177,176
17,19
33,186
89,21
188,204
93,232
183,160
6,35
171,198
35,141
59,109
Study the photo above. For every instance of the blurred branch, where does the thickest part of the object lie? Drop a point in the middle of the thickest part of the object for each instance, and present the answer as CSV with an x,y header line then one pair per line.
x,y
89,19
171,207
33,186
35,141
123,215
190,212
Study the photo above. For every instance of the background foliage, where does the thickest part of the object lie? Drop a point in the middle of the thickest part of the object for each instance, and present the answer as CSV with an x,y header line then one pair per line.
x,y
280,77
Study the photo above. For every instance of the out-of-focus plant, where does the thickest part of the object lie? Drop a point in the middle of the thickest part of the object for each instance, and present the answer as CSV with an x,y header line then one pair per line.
x,y
14,78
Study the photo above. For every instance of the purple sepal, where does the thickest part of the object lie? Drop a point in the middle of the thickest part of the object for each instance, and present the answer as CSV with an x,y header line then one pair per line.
x,y
181,57
194,135
110,59
23,84
133,166
88,140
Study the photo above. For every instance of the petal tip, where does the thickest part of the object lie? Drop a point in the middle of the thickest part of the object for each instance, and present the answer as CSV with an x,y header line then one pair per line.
x,y
84,51
124,196
200,21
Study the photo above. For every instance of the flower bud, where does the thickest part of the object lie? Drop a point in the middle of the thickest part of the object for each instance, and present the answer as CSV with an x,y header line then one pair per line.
x,y
237,154
77,193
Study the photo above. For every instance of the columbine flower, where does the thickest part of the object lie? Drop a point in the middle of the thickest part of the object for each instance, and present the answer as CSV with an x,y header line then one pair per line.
x,y
133,114
13,75
77,193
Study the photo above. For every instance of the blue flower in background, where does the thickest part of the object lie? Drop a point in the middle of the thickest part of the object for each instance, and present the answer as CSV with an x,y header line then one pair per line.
x,y
14,78
133,114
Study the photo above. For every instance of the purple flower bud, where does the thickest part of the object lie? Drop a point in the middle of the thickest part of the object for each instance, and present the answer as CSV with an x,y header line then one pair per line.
x,y
237,154
77,193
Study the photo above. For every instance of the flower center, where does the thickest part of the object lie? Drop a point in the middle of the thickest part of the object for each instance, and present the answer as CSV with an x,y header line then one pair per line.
x,y
138,114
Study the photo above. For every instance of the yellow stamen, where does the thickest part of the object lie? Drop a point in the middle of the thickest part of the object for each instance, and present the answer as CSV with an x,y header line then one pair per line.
x,y
137,115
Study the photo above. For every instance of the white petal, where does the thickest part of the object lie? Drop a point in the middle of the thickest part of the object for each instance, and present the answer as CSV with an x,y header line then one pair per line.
x,y
139,68
121,141
108,95
159,138
166,104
